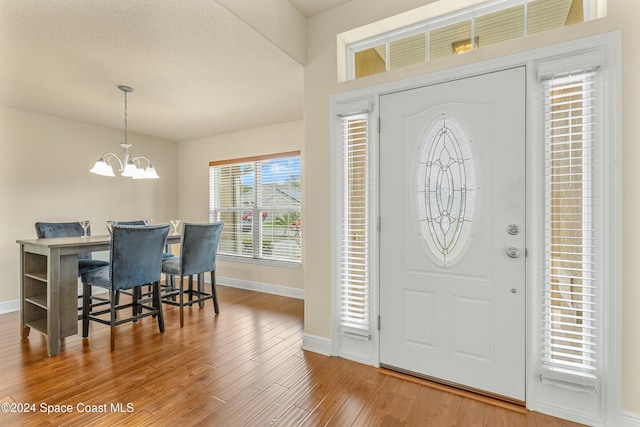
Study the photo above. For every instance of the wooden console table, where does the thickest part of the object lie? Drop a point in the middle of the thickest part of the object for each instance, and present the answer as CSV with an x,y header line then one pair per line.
x,y
49,284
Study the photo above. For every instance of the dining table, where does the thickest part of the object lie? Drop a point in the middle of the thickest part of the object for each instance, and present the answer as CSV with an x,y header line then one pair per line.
x,y
49,284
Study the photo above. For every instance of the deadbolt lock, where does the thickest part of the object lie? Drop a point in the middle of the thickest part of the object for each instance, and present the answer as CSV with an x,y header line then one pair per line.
x,y
513,252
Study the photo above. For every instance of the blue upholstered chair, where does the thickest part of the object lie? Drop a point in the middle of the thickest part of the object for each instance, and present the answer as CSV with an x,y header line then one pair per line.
x,y
86,262
164,255
135,260
69,229
198,250
141,222
133,222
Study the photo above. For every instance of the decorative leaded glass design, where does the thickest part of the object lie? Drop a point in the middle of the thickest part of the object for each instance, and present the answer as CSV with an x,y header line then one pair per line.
x,y
446,191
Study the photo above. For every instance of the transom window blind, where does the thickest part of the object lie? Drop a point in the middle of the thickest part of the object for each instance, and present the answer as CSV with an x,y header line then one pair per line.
x,y
490,22
259,201
354,226
571,293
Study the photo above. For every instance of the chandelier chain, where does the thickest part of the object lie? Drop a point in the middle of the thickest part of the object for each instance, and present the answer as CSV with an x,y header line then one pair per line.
x,y
125,117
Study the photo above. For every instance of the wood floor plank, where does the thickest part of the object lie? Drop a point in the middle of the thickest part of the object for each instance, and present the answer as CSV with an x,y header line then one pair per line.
x,y
301,381
358,393
293,417
399,408
244,366
471,413
325,381
283,411
225,413
330,397
433,407
375,409
498,417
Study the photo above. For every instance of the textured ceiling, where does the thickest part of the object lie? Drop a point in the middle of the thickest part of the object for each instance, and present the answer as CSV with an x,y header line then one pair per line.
x,y
313,7
196,69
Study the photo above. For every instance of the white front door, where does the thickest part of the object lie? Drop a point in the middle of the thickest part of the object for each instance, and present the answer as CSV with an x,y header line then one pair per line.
x,y
452,239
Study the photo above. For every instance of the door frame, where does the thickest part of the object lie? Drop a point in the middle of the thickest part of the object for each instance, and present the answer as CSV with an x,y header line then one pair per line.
x,y
367,99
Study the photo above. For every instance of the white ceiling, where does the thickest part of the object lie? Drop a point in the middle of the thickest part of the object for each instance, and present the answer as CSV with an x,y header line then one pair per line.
x,y
196,69
314,7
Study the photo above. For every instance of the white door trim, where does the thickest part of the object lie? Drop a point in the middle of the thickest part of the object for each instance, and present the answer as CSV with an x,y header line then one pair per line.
x,y
537,399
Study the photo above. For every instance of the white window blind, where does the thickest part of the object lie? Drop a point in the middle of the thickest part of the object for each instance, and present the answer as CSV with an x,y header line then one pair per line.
x,y
571,305
259,200
354,226
486,23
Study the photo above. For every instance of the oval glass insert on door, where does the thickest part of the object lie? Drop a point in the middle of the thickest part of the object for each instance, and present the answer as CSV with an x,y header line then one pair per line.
x,y
447,191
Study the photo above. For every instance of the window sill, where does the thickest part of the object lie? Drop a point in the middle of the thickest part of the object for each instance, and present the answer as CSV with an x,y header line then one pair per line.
x,y
264,262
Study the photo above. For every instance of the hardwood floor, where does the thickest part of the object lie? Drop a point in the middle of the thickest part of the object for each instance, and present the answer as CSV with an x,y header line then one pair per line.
x,y
243,367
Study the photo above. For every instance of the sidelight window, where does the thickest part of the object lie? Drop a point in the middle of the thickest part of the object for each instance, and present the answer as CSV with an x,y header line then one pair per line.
x,y
354,226
572,293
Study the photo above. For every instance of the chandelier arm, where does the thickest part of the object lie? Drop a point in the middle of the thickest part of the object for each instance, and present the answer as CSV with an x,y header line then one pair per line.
x,y
108,156
136,160
144,173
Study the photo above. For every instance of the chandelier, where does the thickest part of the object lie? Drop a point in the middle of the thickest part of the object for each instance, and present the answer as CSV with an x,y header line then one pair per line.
x,y
129,166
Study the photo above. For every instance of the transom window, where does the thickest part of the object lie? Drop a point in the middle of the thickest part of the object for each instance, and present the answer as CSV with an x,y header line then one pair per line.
x,y
258,199
487,23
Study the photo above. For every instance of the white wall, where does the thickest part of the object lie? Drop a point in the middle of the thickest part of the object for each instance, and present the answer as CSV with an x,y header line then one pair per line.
x,y
277,20
44,176
193,167
321,83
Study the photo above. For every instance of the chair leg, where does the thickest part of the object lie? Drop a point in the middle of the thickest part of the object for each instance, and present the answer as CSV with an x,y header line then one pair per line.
x,y
191,287
172,285
86,308
135,297
149,291
214,292
181,297
112,302
158,305
200,290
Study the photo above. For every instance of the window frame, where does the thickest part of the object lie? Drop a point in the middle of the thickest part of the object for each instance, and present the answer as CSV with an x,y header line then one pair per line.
x,y
356,342
355,317
552,368
256,256
436,22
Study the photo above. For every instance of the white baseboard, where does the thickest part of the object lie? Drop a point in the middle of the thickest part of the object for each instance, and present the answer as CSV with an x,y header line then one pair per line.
x,y
316,344
9,306
629,419
261,287
358,358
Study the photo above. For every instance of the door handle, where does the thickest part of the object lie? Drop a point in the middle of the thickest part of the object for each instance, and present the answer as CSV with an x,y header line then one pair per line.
x,y
513,252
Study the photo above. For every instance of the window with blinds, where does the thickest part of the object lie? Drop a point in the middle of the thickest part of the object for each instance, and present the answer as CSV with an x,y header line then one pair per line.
x,y
259,201
354,226
571,293
487,23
